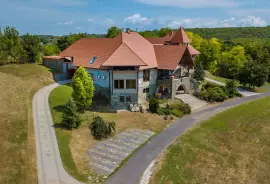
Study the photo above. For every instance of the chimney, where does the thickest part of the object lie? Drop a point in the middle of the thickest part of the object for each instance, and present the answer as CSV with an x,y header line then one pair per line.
x,y
128,31
171,33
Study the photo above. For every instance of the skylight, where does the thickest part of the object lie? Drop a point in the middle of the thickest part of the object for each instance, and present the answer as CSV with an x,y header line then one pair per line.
x,y
93,60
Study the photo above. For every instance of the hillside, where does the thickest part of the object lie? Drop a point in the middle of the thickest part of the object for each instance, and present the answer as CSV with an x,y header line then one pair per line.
x,y
230,33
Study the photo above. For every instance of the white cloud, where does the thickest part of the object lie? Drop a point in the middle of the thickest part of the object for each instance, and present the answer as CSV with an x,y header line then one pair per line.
x,y
109,22
90,20
248,12
137,19
192,3
65,23
252,21
78,27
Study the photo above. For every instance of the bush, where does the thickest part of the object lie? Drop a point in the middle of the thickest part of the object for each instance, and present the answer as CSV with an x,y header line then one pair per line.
x,y
101,129
184,108
215,94
70,117
177,112
154,105
231,88
164,111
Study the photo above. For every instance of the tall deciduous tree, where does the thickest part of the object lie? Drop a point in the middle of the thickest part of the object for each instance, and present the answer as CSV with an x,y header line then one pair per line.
x,y
254,74
83,88
113,31
164,31
12,46
50,50
32,47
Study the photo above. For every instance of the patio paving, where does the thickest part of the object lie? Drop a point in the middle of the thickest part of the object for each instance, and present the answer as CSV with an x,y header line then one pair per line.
x,y
107,155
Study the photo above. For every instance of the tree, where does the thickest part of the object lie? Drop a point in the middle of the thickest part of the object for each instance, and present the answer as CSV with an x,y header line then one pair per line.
x,y
164,31
199,72
254,74
231,88
32,47
83,88
63,42
50,50
70,117
113,31
12,46
231,62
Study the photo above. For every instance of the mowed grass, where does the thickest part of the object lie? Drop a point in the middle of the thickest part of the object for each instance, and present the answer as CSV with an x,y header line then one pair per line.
x,y
17,149
219,79
232,147
74,144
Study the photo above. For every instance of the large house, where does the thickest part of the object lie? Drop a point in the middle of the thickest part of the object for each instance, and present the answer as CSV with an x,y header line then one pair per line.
x,y
129,68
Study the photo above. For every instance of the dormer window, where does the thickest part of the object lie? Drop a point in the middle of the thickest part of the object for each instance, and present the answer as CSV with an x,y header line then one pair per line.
x,y
93,60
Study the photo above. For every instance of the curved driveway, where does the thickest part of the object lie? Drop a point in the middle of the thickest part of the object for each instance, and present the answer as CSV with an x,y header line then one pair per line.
x,y
49,163
132,170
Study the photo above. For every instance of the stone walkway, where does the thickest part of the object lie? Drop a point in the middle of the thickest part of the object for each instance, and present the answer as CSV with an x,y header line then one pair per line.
x,y
49,163
192,101
107,155
240,90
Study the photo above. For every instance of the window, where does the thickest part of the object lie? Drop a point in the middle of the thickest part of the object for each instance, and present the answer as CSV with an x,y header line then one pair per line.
x,y
128,99
118,84
146,75
130,84
146,90
122,99
93,60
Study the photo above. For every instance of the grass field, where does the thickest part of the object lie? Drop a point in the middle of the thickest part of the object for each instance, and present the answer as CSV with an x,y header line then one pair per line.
x,y
232,147
219,79
17,149
74,144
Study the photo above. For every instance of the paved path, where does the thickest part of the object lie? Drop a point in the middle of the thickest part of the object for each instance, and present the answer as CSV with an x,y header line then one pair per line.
x,y
240,90
194,102
132,170
107,155
49,163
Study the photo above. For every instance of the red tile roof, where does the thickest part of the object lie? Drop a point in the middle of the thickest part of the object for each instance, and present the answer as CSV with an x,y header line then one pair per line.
x,y
169,56
193,51
129,49
180,37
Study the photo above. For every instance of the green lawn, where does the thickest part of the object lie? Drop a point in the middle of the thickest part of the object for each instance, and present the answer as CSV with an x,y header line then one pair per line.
x,y
219,79
74,144
57,99
232,147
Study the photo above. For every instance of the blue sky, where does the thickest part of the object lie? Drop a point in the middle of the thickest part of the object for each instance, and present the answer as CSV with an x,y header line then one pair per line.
x,y
59,17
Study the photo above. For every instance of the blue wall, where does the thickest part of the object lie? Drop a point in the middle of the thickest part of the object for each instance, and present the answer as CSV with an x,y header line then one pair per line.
x,y
98,77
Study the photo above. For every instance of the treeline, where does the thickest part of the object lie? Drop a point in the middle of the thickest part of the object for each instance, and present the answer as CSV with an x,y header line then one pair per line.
x,y
232,32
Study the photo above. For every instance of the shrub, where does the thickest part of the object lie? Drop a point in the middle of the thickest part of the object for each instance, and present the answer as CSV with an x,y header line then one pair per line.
x,y
154,105
164,111
231,88
177,112
213,94
70,117
184,108
101,129
199,72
